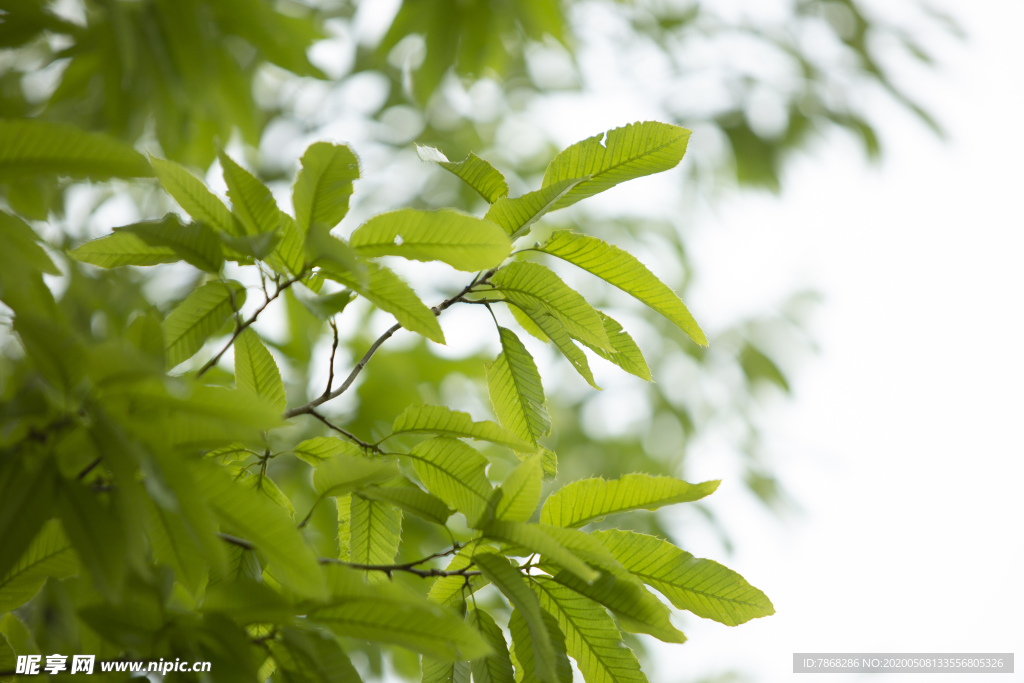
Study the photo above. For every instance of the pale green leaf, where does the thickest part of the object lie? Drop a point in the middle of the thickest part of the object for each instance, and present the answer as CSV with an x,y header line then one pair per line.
x,y
623,270
251,201
477,173
194,197
591,637
317,449
344,526
517,215
514,386
703,587
324,249
535,540
226,455
522,649
260,245
194,242
628,356
514,586
462,241
438,671
521,490
122,249
455,473
496,667
553,329
342,473
446,422
201,314
411,499
49,554
324,185
589,500
376,531
290,254
535,288
172,545
19,238
264,486
584,546
30,146
616,156
453,590
326,306
526,322
256,372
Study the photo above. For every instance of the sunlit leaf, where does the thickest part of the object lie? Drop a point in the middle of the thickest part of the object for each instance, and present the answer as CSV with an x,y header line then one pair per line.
x,y
122,249
201,314
588,500
251,201
514,386
324,185
534,539
477,173
628,355
376,531
195,198
446,422
521,491
495,667
194,242
256,372
516,215
522,648
409,498
455,473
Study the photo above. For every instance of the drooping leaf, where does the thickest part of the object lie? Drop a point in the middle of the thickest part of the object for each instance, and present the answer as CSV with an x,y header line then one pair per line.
x,y
477,173
324,185
591,637
513,586
526,322
49,554
553,329
584,546
409,498
514,386
521,491
462,241
703,587
522,648
517,215
588,500
623,270
535,288
251,201
376,531
310,657
455,473
496,667
194,242
201,314
388,292
629,356
438,671
30,147
319,448
446,422
256,372
195,198
122,249
616,156
19,238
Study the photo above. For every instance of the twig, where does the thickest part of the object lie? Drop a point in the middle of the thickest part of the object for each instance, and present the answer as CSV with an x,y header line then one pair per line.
x,y
235,540
348,435
390,568
334,350
89,468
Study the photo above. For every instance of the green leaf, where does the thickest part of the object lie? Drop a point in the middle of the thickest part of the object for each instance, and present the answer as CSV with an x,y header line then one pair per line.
x,y
290,254
195,198
622,269
446,422
376,532
327,306
517,395
264,486
256,372
521,491
584,546
310,657
258,246
496,667
513,586
538,291
98,535
703,587
638,610
122,249
455,473
411,499
616,156
251,201
591,637
477,173
248,602
462,241
341,473
31,146
438,671
452,590
324,249
201,314
16,235
588,500
267,526
533,538
8,660
553,329
517,215
172,545
194,242
628,356
344,504
522,648
226,455
324,185
49,554
318,449
526,322
387,292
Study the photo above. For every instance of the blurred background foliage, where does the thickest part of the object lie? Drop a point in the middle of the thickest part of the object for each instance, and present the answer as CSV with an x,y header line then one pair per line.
x,y
756,82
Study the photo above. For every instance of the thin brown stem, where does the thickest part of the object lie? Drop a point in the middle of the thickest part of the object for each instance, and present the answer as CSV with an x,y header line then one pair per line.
x,y
334,350
347,434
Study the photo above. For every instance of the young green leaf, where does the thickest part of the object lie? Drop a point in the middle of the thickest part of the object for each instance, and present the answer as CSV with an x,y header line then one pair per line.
x,y
324,249
438,671
194,242
623,270
516,393
477,173
462,241
344,504
616,156
588,500
537,290
256,372
290,254
411,499
251,201
628,356
517,215
30,147
522,648
310,657
195,198
201,314
388,292
49,554
226,455
446,422
513,586
591,637
376,532
532,538
264,486
172,545
324,185
122,249
455,473
553,329
526,322
261,245
521,491
340,474
97,533
496,667
318,449
584,546
703,587
450,591
327,306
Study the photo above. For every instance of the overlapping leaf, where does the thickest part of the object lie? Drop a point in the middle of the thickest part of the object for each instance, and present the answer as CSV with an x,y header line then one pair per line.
x,y
517,215
521,491
201,314
532,538
556,333
195,198
517,395
409,498
256,372
477,173
455,473
122,249
251,201
428,419
49,554
495,667
628,356
439,671
376,531
522,649
193,242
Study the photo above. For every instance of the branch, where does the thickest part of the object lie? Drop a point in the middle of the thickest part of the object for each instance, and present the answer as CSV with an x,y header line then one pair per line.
x,y
334,350
389,568
348,435
240,327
